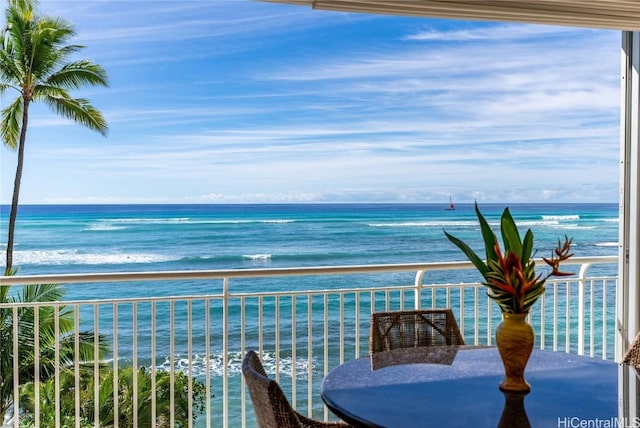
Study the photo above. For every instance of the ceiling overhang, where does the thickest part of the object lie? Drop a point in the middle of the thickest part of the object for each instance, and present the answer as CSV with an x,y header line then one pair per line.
x,y
603,14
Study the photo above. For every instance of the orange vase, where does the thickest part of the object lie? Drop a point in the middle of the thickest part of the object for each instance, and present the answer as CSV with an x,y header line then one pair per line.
x,y
514,339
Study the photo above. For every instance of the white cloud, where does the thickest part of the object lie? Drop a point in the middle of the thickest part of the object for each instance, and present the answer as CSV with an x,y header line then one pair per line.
x,y
248,101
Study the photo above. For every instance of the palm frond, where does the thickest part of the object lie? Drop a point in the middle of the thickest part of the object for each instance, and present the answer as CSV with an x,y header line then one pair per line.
x,y
34,58
47,53
11,73
40,293
77,74
11,123
80,111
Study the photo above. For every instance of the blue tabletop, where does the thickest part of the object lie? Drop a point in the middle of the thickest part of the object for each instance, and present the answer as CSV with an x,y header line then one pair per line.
x,y
566,390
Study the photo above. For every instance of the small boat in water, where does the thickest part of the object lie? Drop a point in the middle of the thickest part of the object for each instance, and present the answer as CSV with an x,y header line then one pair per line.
x,y
451,207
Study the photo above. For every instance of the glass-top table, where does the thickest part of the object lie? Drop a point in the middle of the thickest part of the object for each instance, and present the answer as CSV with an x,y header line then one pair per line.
x,y
461,390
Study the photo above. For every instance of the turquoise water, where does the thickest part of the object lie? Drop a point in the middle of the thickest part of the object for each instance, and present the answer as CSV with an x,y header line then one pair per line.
x,y
116,238
92,238
108,238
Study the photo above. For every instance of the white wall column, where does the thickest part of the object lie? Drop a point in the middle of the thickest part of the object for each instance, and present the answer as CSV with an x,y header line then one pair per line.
x,y
628,296
628,293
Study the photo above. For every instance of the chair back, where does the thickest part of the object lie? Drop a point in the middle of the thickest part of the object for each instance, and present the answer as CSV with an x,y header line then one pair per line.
x,y
412,329
270,405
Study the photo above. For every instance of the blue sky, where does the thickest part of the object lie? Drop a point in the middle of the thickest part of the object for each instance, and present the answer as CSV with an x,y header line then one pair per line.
x,y
242,101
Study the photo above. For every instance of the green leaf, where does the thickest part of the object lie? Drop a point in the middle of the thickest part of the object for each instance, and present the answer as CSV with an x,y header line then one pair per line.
x,y
471,255
11,123
487,235
514,297
527,247
510,235
505,301
531,298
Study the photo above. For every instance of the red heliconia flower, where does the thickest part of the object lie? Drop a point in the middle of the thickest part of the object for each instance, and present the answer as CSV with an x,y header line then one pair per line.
x,y
510,277
560,254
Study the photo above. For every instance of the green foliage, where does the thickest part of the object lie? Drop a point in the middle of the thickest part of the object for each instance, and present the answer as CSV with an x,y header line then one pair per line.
x,y
511,278
47,404
24,320
35,64
125,393
34,61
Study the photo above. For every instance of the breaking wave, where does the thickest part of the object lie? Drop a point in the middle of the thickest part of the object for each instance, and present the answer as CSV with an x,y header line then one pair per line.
x,y
561,217
257,256
64,257
215,363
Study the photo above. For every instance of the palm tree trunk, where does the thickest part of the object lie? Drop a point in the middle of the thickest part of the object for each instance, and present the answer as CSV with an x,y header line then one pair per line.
x,y
16,188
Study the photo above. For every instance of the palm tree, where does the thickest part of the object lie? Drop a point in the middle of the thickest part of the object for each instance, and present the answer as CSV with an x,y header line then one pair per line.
x,y
24,321
34,62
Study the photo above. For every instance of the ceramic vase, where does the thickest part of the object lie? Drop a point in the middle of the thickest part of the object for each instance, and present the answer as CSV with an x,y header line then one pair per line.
x,y
514,339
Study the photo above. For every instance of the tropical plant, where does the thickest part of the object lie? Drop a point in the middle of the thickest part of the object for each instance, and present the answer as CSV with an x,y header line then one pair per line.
x,y
125,416
510,276
47,402
34,61
43,328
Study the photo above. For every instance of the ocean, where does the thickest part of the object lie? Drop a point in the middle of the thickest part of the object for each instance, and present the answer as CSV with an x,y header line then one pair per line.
x,y
128,238
79,239
117,238
108,238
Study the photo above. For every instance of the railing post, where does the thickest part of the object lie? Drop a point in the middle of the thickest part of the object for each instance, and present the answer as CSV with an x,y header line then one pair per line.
x,y
582,275
225,351
418,289
16,371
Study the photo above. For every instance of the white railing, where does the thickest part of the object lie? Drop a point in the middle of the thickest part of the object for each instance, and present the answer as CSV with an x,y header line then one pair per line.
x,y
301,330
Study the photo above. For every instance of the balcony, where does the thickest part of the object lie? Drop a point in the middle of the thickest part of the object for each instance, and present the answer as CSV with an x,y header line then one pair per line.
x,y
194,332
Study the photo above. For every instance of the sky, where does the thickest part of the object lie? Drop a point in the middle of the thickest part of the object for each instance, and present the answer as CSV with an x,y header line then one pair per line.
x,y
242,101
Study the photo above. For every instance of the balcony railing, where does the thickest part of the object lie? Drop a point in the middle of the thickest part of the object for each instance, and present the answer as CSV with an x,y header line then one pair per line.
x,y
304,321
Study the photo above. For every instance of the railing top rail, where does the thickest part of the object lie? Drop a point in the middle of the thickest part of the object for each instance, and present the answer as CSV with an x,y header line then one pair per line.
x,y
269,293
265,272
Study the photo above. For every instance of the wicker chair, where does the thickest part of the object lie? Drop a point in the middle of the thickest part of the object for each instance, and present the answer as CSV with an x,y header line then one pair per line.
x,y
632,357
413,329
270,405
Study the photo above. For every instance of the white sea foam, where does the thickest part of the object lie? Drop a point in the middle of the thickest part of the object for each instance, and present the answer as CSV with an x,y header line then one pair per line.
x,y
561,217
187,220
529,223
149,220
424,224
284,366
64,257
607,244
257,256
574,227
104,227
